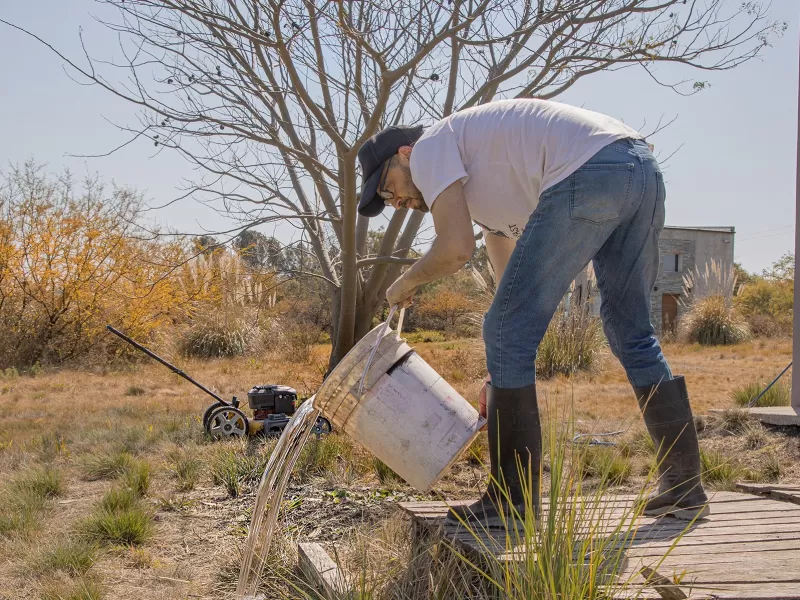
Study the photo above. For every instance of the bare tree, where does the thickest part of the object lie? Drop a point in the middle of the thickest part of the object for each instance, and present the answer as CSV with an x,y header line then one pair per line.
x,y
273,99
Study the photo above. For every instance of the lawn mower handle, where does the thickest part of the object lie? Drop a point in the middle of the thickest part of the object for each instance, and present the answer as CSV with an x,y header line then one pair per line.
x,y
172,368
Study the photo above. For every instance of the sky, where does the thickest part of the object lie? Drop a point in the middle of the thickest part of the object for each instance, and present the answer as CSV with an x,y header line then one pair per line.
x,y
734,144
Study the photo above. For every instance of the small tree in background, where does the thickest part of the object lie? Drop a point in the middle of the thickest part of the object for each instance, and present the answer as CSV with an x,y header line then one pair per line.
x,y
71,261
443,309
767,300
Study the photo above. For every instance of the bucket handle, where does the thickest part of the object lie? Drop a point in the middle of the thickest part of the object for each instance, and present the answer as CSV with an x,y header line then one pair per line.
x,y
381,335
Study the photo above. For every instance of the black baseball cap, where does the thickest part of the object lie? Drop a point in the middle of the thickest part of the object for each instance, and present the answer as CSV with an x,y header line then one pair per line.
x,y
373,156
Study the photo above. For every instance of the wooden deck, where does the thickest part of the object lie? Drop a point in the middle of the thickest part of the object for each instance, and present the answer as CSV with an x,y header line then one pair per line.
x,y
748,548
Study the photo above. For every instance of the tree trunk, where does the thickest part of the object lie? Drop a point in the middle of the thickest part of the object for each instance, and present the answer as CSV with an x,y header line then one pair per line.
x,y
345,335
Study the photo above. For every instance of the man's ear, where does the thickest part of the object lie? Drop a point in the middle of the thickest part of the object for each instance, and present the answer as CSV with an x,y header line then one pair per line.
x,y
404,151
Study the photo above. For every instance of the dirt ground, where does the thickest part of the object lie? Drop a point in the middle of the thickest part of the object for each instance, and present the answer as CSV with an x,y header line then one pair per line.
x,y
62,419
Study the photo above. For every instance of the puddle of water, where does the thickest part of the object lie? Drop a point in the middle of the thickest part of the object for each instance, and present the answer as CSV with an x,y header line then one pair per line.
x,y
269,499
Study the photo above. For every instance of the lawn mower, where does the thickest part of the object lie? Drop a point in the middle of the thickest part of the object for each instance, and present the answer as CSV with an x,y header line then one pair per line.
x,y
272,405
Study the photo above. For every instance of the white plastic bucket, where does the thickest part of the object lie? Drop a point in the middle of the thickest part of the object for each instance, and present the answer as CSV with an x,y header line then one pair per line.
x,y
407,416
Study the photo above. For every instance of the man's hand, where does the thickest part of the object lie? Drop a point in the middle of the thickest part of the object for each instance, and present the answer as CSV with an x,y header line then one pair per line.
x,y
401,293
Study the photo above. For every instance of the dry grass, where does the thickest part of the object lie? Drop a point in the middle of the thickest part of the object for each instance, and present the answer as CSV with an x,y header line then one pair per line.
x,y
80,589
24,498
735,420
713,321
186,469
232,469
106,466
90,429
605,463
572,342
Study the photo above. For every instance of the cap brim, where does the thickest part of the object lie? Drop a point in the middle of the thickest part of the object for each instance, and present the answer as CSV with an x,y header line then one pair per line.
x,y
371,205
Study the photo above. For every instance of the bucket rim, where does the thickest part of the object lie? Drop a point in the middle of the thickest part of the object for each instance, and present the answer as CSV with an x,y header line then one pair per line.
x,y
361,350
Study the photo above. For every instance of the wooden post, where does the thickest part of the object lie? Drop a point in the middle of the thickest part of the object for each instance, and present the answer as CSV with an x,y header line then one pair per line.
x,y
790,415
796,329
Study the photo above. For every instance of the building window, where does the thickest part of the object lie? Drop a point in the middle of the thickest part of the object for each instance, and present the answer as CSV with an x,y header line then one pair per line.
x,y
673,263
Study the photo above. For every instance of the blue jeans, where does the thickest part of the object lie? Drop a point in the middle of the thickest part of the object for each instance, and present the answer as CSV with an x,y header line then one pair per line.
x,y
611,211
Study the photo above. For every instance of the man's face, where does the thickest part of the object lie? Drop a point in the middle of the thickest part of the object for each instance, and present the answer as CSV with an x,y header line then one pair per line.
x,y
396,186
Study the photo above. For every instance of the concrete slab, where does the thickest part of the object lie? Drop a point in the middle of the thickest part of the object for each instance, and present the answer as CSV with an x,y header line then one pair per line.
x,y
777,415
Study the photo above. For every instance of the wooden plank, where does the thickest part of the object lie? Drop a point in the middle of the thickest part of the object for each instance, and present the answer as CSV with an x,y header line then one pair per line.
x,y
745,591
746,549
791,496
783,565
740,548
499,546
717,541
720,505
320,570
670,529
657,537
765,488
774,591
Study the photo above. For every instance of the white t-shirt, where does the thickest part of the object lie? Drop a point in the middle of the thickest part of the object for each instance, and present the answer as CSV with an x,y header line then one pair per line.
x,y
506,153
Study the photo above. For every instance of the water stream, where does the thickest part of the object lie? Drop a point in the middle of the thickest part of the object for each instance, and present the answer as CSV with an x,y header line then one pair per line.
x,y
269,498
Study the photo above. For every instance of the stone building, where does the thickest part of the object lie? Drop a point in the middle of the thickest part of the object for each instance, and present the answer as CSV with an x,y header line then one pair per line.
x,y
682,249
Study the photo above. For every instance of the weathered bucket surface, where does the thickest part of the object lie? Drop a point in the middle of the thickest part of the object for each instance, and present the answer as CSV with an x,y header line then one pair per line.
x,y
408,416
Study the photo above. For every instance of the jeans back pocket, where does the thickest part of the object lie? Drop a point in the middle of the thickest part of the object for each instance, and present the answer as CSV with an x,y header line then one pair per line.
x,y
600,191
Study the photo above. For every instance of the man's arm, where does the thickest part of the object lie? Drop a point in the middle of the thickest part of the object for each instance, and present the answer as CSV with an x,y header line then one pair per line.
x,y
499,249
451,250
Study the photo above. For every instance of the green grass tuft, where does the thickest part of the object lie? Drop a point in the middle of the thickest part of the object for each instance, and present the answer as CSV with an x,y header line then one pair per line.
x,y
639,443
137,477
41,483
606,463
323,455
106,466
186,469
24,499
20,514
779,394
755,436
720,472
384,473
219,336
232,467
132,526
73,556
771,468
119,499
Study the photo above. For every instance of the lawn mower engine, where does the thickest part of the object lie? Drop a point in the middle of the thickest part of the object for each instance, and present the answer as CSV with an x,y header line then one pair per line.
x,y
273,405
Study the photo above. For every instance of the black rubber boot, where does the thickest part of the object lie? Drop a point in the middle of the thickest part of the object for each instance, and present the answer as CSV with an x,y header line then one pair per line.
x,y
668,417
515,456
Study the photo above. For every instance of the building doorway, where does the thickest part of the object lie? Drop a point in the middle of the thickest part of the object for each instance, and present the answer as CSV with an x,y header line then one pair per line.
x,y
669,313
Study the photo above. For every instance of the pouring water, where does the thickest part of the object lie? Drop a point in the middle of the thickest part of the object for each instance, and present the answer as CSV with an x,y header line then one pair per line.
x,y
270,495
387,398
